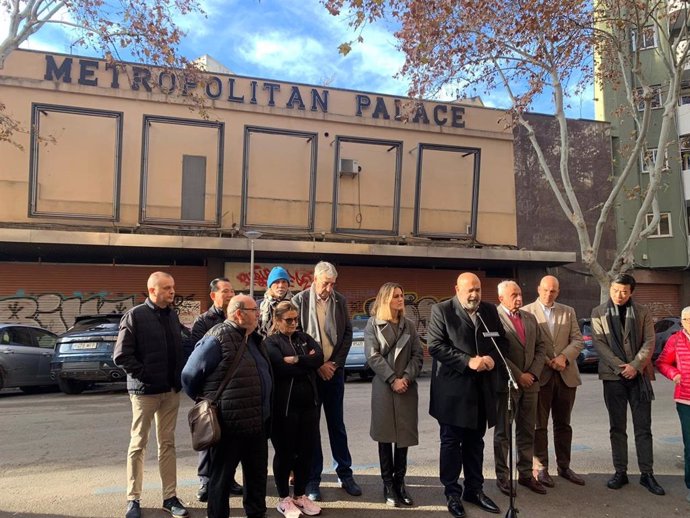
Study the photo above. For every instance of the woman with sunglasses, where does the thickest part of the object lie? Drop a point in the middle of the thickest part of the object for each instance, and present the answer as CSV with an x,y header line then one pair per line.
x,y
295,357
394,353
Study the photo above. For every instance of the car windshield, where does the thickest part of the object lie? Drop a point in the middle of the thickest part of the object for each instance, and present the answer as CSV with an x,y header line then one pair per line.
x,y
105,321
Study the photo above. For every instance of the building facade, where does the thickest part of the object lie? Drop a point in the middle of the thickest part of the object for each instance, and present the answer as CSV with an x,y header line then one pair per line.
x,y
118,171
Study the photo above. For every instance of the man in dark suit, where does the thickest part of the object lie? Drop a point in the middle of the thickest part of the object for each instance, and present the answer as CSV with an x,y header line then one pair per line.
x,y
463,388
526,353
558,382
624,338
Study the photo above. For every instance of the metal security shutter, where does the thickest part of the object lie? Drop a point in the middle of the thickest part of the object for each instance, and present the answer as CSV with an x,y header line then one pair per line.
x,y
662,299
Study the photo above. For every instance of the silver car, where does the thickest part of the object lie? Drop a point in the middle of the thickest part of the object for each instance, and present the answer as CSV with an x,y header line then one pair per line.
x,y
25,354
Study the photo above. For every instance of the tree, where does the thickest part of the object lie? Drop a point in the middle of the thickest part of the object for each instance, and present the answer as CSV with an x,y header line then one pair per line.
x,y
532,48
145,29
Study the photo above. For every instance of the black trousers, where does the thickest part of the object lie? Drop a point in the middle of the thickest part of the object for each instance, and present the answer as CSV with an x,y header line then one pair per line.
x,y
203,467
293,438
252,451
617,396
393,463
461,448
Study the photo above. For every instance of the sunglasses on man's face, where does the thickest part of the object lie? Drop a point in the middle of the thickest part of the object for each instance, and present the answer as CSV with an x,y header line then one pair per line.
x,y
291,321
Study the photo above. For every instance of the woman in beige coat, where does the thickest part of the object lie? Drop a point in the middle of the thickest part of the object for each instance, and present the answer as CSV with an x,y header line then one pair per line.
x,y
394,353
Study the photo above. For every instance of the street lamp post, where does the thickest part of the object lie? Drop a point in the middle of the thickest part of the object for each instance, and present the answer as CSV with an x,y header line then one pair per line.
x,y
252,235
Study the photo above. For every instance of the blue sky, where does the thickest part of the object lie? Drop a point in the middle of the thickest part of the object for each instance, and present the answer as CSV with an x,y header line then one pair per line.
x,y
293,40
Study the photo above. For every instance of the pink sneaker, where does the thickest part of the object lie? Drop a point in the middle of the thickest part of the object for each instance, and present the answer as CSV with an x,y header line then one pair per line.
x,y
288,508
307,506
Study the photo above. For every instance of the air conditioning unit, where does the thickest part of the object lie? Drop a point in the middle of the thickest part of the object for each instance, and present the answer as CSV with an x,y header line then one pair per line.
x,y
349,167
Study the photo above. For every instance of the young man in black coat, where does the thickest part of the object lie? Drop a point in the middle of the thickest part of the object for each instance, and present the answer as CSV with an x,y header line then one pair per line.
x,y
463,388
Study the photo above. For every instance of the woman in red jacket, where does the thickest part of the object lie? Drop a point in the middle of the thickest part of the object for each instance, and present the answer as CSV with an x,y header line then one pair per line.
x,y
674,363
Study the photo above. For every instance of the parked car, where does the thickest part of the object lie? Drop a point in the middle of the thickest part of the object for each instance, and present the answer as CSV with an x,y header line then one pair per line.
x,y
25,354
84,353
588,359
663,329
356,361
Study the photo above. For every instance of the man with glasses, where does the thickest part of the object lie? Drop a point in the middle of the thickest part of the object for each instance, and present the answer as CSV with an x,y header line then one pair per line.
x,y
324,316
623,335
244,404
221,293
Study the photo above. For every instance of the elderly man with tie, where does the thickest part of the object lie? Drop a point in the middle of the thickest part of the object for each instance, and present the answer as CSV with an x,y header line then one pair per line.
x,y
525,358
558,382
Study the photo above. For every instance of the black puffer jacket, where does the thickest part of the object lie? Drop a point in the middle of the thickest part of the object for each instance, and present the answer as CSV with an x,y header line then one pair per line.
x,y
294,384
142,350
240,404
204,322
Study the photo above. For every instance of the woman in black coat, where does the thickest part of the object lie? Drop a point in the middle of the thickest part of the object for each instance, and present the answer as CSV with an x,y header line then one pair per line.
x,y
295,357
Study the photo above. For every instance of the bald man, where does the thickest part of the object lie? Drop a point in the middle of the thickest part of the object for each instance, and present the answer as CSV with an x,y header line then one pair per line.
x,y
558,381
463,388
149,350
244,405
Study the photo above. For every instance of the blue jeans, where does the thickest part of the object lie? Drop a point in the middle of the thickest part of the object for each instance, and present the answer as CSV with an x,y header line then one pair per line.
x,y
331,395
684,414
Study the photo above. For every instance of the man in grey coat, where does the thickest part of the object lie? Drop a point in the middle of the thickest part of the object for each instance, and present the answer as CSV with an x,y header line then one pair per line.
x,y
624,338
324,316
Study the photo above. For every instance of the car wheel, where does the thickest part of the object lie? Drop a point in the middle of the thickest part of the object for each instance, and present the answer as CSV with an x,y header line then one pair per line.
x,y
70,386
2,380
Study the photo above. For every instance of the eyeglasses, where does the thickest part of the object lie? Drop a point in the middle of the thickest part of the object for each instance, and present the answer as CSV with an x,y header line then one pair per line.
x,y
291,321
254,309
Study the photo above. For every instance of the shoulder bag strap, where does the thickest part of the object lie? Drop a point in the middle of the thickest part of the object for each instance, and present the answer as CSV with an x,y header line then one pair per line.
x,y
231,370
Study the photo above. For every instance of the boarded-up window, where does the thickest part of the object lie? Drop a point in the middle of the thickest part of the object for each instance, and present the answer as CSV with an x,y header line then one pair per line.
x,y
279,178
447,191
75,162
182,175
367,186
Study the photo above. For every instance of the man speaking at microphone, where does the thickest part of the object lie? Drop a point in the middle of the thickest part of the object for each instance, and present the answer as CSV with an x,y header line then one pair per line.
x,y
463,334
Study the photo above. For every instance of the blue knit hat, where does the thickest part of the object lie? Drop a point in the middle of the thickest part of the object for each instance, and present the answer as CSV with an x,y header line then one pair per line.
x,y
277,274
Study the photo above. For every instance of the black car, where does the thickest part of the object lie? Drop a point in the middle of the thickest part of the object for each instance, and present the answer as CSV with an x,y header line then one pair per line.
x,y
84,353
356,361
588,359
663,329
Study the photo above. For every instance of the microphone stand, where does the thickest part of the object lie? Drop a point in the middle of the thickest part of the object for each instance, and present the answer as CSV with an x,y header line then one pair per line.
x,y
512,385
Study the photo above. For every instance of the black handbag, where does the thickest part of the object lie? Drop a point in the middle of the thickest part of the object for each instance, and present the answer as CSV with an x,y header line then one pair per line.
x,y
204,422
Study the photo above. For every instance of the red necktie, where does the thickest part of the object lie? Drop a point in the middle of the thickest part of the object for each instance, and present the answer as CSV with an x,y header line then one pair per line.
x,y
517,323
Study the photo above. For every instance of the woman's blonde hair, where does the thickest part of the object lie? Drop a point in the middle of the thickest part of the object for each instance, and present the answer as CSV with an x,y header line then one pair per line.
x,y
382,305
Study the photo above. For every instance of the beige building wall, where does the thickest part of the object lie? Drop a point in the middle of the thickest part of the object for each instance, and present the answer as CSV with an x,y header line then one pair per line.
x,y
77,153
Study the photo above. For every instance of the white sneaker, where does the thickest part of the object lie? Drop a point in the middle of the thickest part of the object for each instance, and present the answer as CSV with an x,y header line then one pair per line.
x,y
288,508
307,506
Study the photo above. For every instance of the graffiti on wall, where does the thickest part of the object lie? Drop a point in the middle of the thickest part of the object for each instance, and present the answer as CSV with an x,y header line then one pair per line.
x,y
301,276
56,312
417,309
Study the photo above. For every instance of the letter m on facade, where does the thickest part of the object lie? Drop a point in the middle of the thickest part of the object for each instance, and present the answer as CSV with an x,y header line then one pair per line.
x,y
57,73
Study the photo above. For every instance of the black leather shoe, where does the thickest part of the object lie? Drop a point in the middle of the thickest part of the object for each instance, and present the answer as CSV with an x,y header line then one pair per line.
x,y
390,496
133,509
481,500
648,481
455,506
618,480
235,488
542,475
401,492
351,487
202,493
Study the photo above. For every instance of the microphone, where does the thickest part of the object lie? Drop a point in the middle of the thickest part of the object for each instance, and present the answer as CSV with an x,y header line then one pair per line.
x,y
489,334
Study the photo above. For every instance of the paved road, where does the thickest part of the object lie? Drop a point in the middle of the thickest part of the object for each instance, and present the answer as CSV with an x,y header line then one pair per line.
x,y
64,456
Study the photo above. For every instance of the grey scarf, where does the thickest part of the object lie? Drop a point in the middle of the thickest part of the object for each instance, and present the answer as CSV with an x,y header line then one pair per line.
x,y
618,340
